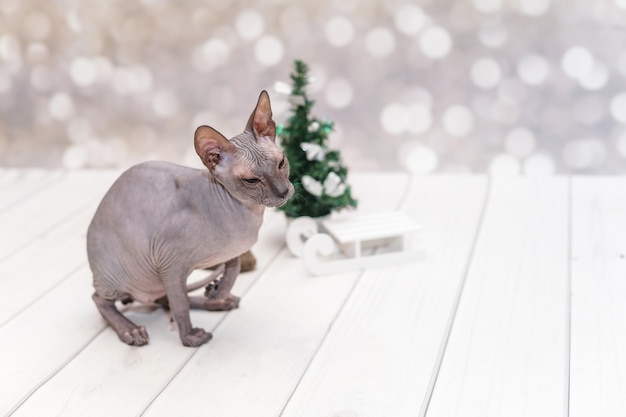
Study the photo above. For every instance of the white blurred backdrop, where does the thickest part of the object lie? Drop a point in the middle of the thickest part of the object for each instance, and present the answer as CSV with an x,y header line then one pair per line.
x,y
530,87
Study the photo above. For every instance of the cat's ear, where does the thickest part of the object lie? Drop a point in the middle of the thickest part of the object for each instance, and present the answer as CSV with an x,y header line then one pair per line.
x,y
211,146
260,122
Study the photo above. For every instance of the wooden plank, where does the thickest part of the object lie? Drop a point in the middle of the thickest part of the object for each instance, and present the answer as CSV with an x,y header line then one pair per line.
x,y
44,337
260,353
109,376
7,176
40,312
369,227
41,265
598,321
506,354
379,355
50,207
24,184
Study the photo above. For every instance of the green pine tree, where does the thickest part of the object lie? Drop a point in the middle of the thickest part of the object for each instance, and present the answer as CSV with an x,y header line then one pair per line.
x,y
316,171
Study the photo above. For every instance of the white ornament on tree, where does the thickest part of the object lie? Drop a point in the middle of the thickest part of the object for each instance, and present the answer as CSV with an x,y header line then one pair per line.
x,y
312,186
314,152
333,186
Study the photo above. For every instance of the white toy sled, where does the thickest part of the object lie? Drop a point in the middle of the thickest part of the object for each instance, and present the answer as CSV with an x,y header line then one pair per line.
x,y
352,243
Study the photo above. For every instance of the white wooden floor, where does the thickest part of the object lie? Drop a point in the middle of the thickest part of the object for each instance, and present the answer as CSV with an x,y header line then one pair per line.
x,y
519,309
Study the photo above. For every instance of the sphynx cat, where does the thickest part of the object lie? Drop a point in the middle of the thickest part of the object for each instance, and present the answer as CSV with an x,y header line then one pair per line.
x,y
161,221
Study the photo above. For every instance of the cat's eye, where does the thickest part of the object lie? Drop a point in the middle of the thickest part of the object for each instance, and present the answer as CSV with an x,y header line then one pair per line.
x,y
281,164
252,180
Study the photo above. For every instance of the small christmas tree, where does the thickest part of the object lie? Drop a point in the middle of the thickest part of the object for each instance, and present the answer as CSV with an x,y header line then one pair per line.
x,y
316,171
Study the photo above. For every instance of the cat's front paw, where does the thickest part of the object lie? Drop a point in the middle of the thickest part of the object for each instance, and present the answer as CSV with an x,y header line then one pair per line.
x,y
134,336
222,304
196,337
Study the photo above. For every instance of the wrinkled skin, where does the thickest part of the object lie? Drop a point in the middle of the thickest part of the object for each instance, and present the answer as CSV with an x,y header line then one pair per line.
x,y
160,221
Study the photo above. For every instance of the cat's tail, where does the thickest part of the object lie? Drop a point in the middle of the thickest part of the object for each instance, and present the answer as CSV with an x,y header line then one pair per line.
x,y
213,276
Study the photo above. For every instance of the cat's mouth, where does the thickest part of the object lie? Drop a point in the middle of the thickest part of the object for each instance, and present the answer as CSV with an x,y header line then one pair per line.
x,y
280,201
272,204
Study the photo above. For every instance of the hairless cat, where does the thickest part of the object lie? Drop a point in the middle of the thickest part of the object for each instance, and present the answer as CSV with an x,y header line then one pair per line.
x,y
160,221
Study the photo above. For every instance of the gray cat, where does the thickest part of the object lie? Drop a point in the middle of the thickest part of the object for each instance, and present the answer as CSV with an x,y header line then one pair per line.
x,y
161,221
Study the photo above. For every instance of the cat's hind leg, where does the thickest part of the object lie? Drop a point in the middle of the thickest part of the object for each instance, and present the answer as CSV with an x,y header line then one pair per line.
x,y
218,296
202,303
127,331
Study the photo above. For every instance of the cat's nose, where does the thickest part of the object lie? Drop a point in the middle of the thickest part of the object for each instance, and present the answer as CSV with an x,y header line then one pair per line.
x,y
285,193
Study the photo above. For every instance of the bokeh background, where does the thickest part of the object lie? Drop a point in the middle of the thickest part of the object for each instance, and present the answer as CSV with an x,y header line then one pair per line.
x,y
530,87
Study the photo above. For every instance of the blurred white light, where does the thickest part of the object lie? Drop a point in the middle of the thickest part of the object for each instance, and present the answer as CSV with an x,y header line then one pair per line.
x,y
520,142
486,73
380,42
269,50
75,157
584,153
493,34
533,69
534,7
141,77
61,106
104,70
577,62
504,165
435,42
250,24
409,19
621,3
11,52
339,31
74,21
539,165
458,121
418,158
339,93
282,87
165,103
596,78
37,52
488,6
211,54
617,107
132,80
317,78
82,72
420,118
394,118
